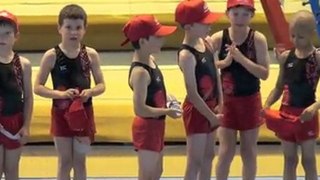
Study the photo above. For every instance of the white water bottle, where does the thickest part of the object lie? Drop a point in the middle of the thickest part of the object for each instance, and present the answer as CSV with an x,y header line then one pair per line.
x,y
173,103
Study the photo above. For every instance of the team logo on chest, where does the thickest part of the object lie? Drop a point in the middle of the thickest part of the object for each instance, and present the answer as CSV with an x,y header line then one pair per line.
x,y
203,60
63,68
290,65
158,79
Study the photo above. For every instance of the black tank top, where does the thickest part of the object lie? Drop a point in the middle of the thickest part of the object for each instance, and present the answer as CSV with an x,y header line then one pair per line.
x,y
156,93
11,87
71,73
236,80
301,78
205,72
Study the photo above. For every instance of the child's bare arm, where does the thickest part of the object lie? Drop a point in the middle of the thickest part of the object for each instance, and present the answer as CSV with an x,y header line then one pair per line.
x,y
261,68
310,111
139,81
276,92
99,87
187,63
27,95
96,72
46,65
216,40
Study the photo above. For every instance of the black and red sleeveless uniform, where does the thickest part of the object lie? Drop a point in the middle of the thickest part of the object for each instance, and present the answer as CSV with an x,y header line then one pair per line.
x,y
11,100
70,73
241,89
206,79
148,132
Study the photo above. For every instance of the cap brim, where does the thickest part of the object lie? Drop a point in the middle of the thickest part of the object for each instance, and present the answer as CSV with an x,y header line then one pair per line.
x,y
211,18
165,30
249,6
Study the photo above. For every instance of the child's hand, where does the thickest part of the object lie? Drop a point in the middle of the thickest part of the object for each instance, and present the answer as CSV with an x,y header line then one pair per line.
x,y
174,113
69,93
236,54
277,53
216,121
263,110
228,59
174,105
85,95
308,114
218,109
24,134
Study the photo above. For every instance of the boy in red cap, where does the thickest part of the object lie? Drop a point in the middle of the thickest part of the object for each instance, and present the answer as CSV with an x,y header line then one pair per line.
x,y
243,60
16,97
71,64
203,87
146,35
297,81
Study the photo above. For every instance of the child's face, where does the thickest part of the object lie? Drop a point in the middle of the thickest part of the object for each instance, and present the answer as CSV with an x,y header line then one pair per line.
x,y
72,30
240,16
200,30
300,37
7,36
153,44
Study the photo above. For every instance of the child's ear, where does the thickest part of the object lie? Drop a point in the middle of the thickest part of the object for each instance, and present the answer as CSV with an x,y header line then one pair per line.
x,y
187,26
85,26
227,12
142,41
252,14
17,35
59,28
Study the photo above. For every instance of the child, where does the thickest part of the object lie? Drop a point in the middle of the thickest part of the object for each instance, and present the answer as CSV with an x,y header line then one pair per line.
x,y
16,98
203,87
298,77
70,64
146,35
243,60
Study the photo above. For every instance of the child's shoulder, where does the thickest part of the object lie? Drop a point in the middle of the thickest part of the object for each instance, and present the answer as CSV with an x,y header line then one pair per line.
x,y
260,37
91,51
283,57
217,36
185,55
93,55
50,54
318,55
24,61
49,58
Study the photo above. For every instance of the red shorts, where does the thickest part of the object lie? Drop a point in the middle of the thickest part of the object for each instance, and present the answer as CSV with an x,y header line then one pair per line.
x,y
194,121
60,127
292,130
242,113
148,134
12,124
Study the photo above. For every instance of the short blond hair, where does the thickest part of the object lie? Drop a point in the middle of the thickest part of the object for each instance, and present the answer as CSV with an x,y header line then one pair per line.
x,y
303,20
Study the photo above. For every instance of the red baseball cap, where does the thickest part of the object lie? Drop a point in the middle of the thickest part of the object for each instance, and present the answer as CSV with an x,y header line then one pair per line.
x,y
7,16
234,3
195,11
142,26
